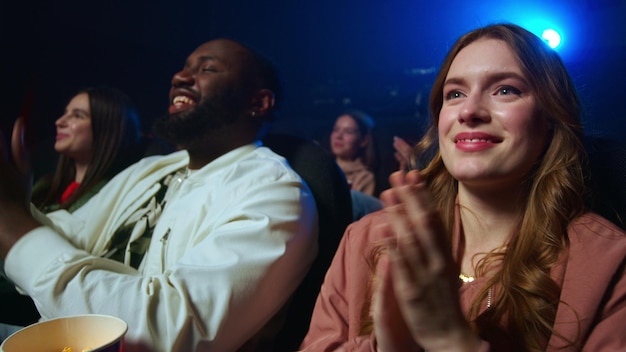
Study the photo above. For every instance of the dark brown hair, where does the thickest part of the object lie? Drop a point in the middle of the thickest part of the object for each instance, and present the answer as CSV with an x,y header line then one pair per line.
x,y
116,134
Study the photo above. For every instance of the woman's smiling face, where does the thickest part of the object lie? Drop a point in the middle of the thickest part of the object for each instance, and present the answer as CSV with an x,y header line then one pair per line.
x,y
490,131
346,139
74,137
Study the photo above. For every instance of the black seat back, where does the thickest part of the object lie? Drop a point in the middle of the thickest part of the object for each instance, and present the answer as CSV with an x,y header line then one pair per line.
x,y
607,179
332,196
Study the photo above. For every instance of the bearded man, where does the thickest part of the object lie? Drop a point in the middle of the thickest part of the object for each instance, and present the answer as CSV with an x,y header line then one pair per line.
x,y
196,250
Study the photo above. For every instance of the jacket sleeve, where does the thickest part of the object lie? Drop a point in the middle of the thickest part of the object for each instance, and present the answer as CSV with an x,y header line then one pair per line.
x,y
609,334
219,293
343,302
337,316
606,322
592,312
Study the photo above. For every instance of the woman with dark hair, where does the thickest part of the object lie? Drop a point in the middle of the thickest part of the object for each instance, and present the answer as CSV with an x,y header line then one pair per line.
x,y
98,135
490,246
352,144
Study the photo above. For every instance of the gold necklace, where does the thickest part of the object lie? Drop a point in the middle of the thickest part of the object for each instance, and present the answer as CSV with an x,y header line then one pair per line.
x,y
466,278
469,278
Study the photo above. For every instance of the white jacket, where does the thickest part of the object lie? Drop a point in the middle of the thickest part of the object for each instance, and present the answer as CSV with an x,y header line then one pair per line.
x,y
227,252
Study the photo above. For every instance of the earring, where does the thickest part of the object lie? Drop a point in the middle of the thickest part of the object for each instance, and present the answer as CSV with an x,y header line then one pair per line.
x,y
253,114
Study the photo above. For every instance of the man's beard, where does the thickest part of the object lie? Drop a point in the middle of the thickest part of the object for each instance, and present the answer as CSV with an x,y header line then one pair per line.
x,y
207,116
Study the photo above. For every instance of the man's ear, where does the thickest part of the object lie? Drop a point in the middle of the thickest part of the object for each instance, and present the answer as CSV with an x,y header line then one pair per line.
x,y
262,102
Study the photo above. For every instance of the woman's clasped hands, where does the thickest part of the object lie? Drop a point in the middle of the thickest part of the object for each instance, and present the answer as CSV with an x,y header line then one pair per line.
x,y
416,303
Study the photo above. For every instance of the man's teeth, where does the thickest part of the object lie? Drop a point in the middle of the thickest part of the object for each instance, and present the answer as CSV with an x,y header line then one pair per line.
x,y
181,99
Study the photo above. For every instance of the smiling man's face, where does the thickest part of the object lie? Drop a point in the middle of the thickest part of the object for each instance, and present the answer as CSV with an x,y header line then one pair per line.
x,y
208,94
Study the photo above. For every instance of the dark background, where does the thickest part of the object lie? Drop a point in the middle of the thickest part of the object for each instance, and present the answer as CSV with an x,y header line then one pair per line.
x,y
379,56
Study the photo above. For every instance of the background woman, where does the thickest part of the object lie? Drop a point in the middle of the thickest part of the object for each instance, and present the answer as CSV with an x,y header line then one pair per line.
x,y
490,247
98,135
352,144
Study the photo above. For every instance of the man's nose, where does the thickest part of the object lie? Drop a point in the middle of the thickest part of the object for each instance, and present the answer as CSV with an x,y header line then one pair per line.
x,y
182,78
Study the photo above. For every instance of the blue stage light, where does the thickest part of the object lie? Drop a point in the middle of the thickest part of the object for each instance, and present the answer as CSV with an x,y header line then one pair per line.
x,y
552,37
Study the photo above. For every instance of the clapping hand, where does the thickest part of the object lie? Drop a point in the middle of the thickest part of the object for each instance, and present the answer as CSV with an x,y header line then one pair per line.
x,y
402,153
15,186
419,284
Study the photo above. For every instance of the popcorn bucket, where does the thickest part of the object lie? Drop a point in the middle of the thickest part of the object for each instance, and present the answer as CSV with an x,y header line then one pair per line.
x,y
91,332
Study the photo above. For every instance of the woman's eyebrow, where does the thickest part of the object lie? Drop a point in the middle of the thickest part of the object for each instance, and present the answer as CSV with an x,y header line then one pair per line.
x,y
454,80
80,110
492,77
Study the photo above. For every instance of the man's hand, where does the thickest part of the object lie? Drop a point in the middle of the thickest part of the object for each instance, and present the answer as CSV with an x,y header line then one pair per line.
x,y
15,185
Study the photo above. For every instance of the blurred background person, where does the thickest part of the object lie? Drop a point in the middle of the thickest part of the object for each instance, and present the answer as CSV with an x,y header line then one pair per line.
x,y
352,144
98,135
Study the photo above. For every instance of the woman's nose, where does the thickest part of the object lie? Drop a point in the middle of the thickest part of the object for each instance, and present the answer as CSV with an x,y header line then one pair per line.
x,y
60,121
474,110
